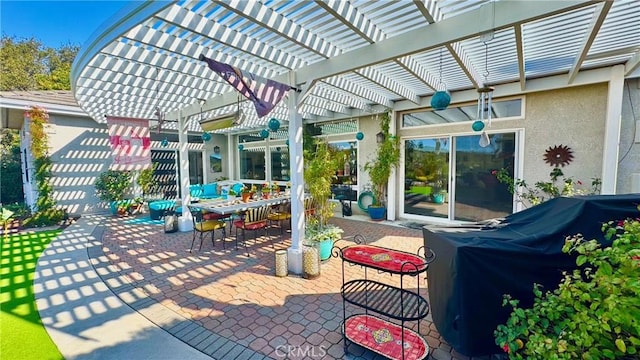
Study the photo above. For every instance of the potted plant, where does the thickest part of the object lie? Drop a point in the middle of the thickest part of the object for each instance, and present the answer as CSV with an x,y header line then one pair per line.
x,y
146,181
111,186
379,168
246,194
319,173
324,236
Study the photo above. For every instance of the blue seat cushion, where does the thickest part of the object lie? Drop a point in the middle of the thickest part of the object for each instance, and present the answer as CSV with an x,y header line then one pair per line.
x,y
210,190
157,208
162,205
195,190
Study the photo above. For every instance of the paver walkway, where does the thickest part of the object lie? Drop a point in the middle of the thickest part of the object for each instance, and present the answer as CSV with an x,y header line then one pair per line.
x,y
218,303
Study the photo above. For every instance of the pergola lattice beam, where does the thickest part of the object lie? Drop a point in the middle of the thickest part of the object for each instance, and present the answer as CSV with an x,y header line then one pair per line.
x,y
358,23
517,30
282,26
200,25
632,64
460,27
599,16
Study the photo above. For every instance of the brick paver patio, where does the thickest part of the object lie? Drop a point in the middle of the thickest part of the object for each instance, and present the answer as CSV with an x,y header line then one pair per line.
x,y
233,306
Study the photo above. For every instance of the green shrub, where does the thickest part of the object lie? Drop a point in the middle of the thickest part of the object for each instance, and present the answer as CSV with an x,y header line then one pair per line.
x,y
111,185
47,217
558,185
595,311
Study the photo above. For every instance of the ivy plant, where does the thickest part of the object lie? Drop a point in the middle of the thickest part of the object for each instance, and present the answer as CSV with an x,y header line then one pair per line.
x,y
595,311
46,213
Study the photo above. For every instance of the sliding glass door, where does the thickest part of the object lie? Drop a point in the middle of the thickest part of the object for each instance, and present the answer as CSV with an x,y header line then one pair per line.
x,y
479,195
454,178
426,177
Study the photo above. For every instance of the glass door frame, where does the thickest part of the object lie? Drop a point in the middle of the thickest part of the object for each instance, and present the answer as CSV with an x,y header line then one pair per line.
x,y
518,171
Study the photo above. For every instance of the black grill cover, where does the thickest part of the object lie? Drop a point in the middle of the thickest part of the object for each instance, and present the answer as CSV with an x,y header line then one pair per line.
x,y
477,263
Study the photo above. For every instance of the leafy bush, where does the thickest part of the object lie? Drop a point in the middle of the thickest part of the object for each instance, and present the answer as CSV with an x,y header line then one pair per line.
x,y
593,314
45,218
541,191
111,185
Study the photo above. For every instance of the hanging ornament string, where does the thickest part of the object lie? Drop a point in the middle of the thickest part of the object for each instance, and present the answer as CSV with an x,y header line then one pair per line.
x,y
441,98
486,80
440,83
159,114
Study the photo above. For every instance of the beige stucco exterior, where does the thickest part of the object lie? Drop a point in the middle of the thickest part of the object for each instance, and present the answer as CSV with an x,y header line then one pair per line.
x,y
573,117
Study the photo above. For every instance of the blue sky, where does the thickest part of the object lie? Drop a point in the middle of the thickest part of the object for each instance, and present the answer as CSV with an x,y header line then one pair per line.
x,y
56,23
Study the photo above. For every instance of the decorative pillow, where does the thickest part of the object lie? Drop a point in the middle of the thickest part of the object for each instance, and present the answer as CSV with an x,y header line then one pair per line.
x,y
237,187
210,189
195,190
224,190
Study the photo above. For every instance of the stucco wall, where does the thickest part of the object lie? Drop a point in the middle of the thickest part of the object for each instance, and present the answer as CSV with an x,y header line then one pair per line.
x,y
80,152
629,156
574,117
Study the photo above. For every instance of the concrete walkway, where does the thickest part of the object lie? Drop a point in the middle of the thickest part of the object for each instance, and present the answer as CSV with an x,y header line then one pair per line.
x,y
85,318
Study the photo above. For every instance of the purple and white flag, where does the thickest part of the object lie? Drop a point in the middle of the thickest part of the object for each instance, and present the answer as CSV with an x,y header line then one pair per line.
x,y
265,94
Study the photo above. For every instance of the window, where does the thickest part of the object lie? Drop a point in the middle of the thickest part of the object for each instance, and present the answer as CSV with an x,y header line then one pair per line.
x,y
280,163
252,163
453,114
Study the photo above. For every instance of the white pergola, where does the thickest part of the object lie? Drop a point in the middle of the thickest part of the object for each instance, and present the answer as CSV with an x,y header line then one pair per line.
x,y
348,57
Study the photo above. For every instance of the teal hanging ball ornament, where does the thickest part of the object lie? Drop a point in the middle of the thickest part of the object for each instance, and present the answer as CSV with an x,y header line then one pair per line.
x,y
240,147
206,136
287,142
359,136
264,133
274,124
164,142
440,100
477,125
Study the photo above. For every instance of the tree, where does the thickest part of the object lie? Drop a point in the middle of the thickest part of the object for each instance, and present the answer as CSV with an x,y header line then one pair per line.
x,y
20,63
10,171
27,65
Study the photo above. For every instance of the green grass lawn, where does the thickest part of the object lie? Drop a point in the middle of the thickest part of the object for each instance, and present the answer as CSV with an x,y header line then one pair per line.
x,y
22,335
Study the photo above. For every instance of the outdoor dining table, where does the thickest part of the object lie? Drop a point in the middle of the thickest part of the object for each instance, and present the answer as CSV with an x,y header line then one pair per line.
x,y
236,205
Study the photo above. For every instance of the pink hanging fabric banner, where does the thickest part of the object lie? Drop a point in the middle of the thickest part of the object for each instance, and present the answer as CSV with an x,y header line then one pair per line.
x,y
130,141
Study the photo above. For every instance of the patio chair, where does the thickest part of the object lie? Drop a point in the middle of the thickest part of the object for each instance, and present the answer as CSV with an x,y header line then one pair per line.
x,y
202,226
252,219
309,207
281,213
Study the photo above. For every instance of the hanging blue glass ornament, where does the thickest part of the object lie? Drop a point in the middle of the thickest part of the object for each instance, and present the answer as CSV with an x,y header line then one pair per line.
x,y
264,133
274,124
206,136
164,142
440,100
359,136
477,125
240,147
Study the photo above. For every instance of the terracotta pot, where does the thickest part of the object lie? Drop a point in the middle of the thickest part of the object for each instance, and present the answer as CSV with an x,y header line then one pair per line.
x,y
246,196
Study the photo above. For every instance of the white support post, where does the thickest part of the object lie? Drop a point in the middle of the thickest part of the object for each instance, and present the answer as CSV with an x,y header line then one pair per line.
x,y
612,130
296,163
231,158
184,222
392,189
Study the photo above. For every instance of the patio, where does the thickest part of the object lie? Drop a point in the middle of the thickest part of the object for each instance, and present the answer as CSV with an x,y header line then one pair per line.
x,y
232,307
